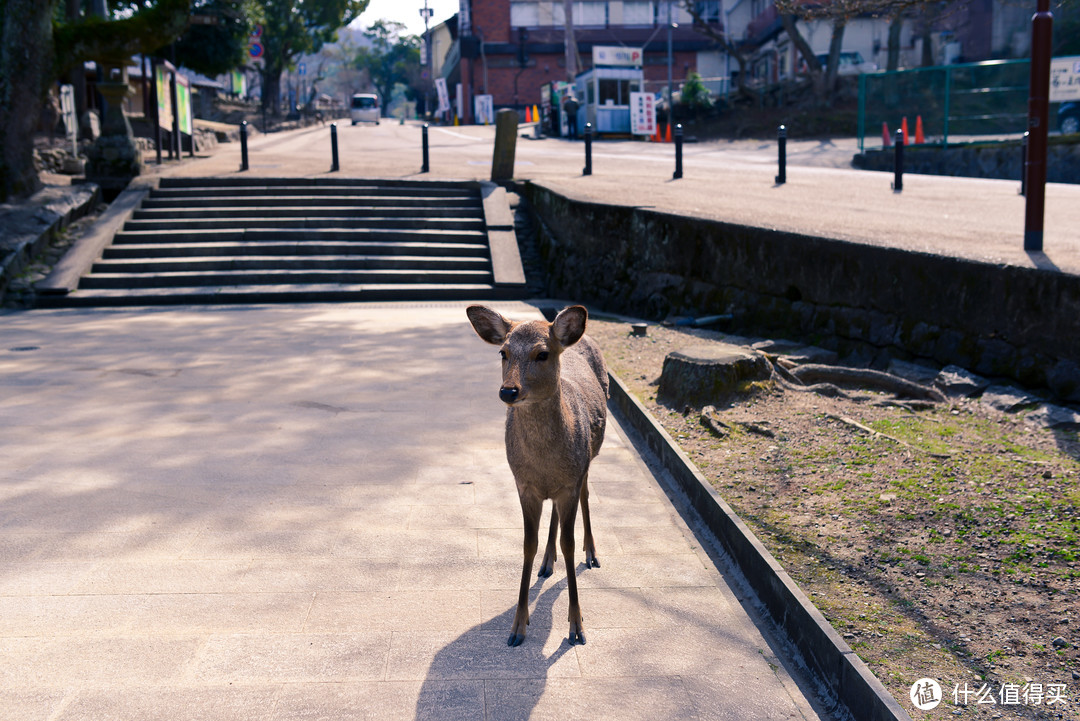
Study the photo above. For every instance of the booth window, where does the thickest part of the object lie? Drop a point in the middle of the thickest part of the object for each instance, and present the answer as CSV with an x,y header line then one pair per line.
x,y
615,92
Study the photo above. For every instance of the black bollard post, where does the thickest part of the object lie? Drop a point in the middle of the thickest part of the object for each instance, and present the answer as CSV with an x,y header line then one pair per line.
x,y
781,145
678,152
243,146
424,167
898,162
333,148
1023,164
588,150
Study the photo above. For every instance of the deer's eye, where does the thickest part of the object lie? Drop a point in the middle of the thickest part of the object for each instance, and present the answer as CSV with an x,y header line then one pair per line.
x,y
502,354
542,355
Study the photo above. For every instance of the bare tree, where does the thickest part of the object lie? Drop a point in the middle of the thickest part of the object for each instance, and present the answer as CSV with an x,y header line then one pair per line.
x,y
722,36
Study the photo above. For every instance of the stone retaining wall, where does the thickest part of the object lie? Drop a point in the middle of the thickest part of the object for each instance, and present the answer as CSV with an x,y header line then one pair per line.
x,y
989,160
1003,321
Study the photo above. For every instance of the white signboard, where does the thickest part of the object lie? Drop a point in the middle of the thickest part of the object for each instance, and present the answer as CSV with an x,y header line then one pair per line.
x,y
484,109
71,123
642,113
444,96
1065,79
618,56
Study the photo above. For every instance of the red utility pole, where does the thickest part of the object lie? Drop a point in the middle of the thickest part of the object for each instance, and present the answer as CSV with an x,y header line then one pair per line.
x,y
1042,23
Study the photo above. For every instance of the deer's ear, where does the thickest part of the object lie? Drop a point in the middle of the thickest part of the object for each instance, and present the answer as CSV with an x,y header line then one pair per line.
x,y
569,325
488,324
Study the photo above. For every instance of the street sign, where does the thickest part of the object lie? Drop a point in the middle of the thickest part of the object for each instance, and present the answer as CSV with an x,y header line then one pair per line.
x,y
302,69
1065,79
256,31
255,50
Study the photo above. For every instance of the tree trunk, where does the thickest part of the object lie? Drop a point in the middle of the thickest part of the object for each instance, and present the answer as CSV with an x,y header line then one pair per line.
x,y
896,27
271,90
817,78
832,66
927,48
26,68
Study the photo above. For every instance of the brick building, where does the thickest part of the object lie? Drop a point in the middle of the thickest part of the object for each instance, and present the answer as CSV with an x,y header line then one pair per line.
x,y
510,48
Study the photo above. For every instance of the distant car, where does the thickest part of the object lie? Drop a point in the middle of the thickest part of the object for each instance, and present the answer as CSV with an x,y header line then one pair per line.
x,y
851,63
1069,118
364,108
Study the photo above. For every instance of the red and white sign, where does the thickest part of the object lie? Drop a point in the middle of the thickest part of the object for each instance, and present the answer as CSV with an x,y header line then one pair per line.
x,y
642,114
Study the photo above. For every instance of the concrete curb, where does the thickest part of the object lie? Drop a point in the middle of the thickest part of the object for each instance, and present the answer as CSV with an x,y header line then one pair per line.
x,y
65,275
826,655
506,266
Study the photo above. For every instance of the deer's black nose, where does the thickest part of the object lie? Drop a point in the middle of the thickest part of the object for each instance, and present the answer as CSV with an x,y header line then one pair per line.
x,y
508,395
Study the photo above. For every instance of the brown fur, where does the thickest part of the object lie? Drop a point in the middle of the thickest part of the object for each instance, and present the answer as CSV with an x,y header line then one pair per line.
x,y
555,419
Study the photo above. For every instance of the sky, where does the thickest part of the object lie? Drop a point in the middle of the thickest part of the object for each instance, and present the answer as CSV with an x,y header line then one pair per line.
x,y
408,12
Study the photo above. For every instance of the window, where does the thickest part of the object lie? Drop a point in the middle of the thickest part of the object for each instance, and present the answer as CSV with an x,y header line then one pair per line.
x,y
614,92
637,13
709,10
664,12
524,15
590,13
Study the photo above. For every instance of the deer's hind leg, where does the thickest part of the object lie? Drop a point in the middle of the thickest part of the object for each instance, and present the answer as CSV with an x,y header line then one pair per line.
x,y
590,545
547,566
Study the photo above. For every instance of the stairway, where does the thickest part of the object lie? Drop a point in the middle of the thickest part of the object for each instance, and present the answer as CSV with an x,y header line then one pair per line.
x,y
266,240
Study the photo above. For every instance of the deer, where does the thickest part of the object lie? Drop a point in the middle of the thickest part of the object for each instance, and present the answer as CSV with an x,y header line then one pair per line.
x,y
555,387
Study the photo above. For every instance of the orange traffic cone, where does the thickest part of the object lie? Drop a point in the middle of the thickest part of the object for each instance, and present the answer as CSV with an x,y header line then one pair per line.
x,y
903,129
528,114
919,137
886,139
536,114
667,133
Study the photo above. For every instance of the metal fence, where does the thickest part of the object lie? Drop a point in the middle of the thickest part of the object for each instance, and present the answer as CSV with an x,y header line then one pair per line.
x,y
957,103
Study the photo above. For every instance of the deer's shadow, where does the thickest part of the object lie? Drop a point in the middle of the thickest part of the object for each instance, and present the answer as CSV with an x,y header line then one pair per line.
x,y
477,669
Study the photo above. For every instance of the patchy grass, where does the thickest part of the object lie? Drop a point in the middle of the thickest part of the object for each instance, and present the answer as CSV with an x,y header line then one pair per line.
x,y
953,557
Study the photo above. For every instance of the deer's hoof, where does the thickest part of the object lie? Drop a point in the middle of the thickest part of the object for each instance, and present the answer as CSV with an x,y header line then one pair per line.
x,y
592,562
516,639
544,572
577,637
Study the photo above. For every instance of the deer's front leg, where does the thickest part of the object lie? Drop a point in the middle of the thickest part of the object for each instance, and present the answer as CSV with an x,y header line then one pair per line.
x,y
530,512
567,516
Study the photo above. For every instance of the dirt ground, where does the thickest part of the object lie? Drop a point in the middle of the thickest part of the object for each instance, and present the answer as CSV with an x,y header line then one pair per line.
x,y
945,546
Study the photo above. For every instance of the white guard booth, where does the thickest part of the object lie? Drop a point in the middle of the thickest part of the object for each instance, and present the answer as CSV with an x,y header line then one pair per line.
x,y
604,91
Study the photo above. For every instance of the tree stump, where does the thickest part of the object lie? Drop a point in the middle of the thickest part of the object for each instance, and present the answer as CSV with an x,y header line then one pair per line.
x,y
699,375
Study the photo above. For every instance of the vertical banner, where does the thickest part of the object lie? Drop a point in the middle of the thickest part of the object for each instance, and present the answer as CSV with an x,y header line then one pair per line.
x,y
459,101
183,104
444,96
484,109
161,82
642,114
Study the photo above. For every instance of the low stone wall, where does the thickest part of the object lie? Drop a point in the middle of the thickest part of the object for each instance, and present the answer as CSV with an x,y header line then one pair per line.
x,y
987,160
1003,321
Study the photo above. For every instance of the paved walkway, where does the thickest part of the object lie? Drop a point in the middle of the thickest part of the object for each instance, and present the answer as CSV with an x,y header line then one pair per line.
x,y
730,181
306,512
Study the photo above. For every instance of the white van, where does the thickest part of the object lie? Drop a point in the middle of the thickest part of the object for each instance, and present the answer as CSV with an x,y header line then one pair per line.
x,y
364,108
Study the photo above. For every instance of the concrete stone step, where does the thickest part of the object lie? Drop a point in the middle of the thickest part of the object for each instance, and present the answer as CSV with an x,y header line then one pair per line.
x,y
292,211
203,264
280,277
195,194
403,223
294,248
338,201
322,182
296,235
290,293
